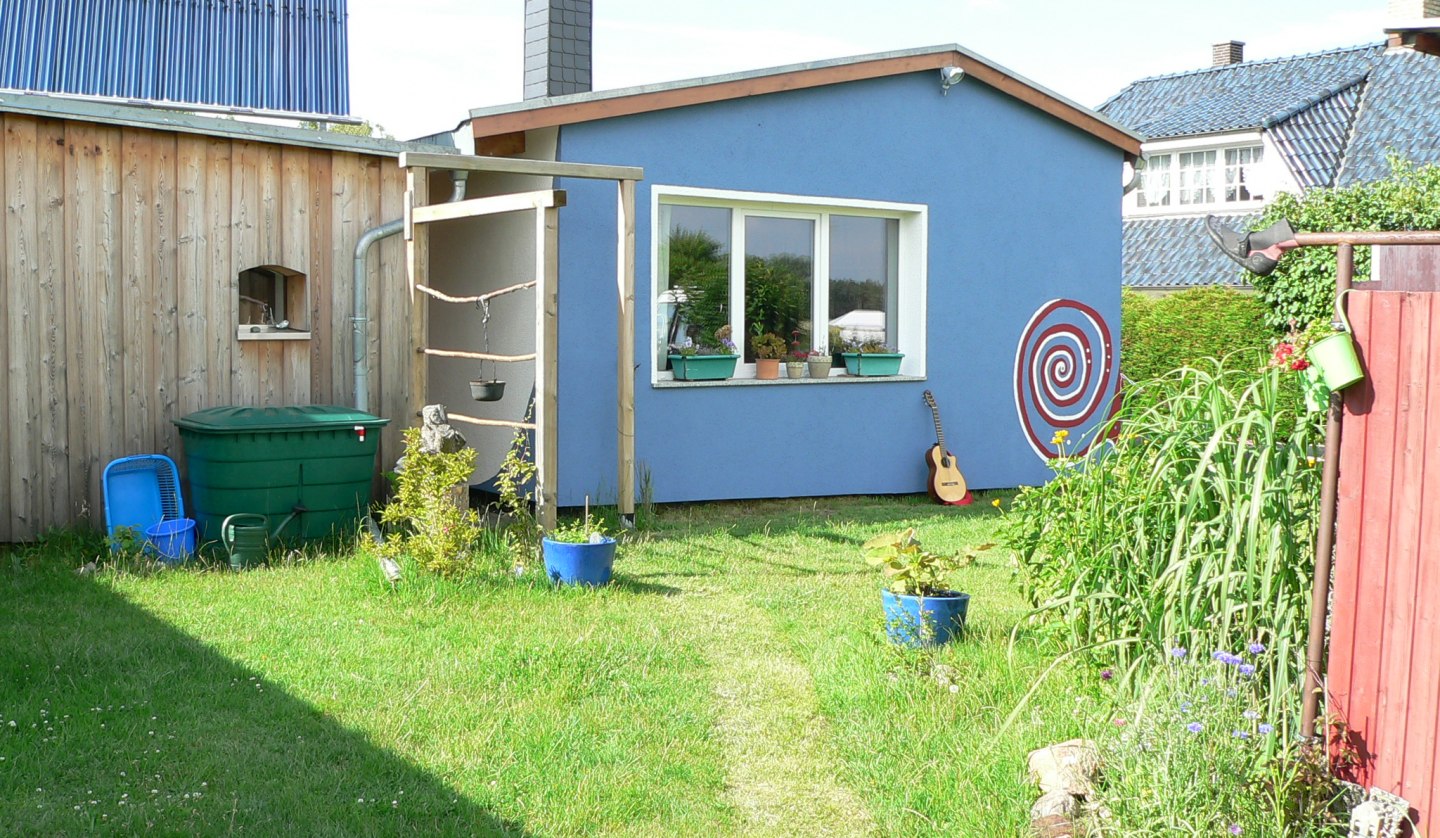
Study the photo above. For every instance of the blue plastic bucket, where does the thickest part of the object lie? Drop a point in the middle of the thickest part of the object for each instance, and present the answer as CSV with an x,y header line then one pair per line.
x,y
174,540
916,621
579,564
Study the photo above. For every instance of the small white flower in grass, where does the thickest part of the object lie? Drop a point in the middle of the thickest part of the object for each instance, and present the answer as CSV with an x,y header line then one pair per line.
x,y
954,688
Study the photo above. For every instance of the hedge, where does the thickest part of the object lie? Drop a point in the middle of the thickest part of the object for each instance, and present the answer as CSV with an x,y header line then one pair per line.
x,y
1161,334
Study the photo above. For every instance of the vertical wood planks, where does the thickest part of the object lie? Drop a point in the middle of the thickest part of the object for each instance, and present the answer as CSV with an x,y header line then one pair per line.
x,y
162,307
1384,670
139,411
51,274
192,273
5,524
119,255
295,253
322,280
22,332
222,285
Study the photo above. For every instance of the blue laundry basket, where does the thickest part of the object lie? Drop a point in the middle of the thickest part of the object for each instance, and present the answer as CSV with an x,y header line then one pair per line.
x,y
140,492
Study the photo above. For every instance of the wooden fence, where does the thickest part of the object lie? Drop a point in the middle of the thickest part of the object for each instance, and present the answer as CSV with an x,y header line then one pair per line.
x,y
1383,677
118,281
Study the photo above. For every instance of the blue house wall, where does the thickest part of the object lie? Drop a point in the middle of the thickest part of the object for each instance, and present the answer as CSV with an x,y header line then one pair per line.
x,y
1023,209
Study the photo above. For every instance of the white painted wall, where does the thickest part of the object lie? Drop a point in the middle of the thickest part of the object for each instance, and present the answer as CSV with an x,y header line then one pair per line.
x,y
472,256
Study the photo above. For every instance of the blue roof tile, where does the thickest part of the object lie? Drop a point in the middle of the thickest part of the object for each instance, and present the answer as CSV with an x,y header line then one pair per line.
x,y
1235,97
1313,138
1177,253
1399,112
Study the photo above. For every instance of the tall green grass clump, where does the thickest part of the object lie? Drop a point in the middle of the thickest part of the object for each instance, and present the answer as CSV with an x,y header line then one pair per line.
x,y
1193,528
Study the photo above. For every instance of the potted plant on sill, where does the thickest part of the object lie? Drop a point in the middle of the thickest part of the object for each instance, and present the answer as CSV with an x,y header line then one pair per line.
x,y
579,553
920,608
769,349
795,361
872,357
704,362
819,363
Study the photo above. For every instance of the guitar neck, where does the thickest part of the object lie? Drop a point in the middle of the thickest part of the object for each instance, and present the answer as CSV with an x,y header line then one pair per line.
x,y
935,413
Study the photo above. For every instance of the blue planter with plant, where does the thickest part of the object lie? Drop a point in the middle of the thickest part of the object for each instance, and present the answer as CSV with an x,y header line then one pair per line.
x,y
705,362
579,553
919,606
871,357
703,367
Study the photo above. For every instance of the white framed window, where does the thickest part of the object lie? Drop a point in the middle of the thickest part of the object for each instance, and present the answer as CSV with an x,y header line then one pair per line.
x,y
812,270
1193,179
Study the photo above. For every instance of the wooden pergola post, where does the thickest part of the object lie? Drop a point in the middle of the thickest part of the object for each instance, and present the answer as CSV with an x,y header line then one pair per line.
x,y
417,267
625,345
547,366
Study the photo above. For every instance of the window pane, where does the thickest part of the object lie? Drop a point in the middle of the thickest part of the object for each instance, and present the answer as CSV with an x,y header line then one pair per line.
x,y
1154,188
863,284
695,274
1196,177
1239,168
779,272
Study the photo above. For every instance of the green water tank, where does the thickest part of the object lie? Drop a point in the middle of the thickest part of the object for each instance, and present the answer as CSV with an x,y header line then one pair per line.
x,y
273,460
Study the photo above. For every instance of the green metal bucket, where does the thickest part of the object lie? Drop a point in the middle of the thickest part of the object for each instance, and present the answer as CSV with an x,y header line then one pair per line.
x,y
247,545
1335,357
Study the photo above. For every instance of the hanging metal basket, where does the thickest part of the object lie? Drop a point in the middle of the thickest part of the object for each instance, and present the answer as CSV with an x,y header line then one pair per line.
x,y
487,390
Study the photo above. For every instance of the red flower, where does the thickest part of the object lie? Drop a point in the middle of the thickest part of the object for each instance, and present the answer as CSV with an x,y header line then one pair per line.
x,y
1299,364
1283,351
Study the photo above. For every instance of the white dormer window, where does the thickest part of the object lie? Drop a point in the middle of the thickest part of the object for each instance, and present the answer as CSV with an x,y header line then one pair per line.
x,y
1200,178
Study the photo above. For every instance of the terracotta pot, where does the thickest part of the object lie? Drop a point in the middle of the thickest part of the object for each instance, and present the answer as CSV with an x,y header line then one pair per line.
x,y
819,369
767,369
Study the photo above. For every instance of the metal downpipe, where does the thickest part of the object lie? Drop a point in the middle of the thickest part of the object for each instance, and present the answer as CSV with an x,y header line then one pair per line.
x,y
359,319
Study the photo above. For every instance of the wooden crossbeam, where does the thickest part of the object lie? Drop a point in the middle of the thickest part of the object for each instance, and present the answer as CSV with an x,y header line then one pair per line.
x,y
480,299
475,356
489,423
515,166
493,205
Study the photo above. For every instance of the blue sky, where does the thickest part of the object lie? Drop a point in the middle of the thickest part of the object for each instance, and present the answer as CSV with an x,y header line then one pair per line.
x,y
418,65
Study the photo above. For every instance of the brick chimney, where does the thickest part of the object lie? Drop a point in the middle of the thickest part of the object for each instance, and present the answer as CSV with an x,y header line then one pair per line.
x,y
557,47
1414,24
1227,52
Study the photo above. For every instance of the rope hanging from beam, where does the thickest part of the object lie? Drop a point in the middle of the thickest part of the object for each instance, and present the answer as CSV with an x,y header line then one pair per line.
x,y
480,299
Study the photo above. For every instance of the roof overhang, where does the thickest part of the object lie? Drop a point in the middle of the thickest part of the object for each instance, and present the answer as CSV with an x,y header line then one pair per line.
x,y
584,107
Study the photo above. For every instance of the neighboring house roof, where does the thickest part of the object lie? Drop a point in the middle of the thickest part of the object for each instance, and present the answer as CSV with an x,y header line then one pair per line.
x,y
1235,97
1399,112
583,107
1314,136
1174,253
64,107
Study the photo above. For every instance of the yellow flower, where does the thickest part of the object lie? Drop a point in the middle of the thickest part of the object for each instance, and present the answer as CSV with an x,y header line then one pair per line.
x,y
1310,461
995,503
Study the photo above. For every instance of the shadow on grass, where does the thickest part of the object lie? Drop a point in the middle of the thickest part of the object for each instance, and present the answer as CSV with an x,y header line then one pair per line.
x,y
113,720
635,584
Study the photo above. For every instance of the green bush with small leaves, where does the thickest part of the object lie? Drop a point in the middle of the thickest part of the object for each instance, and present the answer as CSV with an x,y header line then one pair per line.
x,y
427,522
1302,287
1161,334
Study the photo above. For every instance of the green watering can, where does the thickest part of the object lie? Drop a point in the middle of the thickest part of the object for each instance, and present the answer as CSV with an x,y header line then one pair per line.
x,y
246,539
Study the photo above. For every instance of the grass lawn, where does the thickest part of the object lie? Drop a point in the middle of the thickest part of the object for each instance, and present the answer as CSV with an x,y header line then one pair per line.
x,y
734,681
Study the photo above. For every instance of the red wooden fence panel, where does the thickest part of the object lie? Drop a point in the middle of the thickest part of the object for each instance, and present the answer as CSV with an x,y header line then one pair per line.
x,y
1383,677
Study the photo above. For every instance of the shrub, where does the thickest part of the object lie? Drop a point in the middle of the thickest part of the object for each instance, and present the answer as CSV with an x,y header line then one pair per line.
x,y
1194,528
1162,334
1302,287
425,519
1191,750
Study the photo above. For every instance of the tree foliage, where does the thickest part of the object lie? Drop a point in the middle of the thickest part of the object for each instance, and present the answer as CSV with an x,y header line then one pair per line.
x,y
1302,288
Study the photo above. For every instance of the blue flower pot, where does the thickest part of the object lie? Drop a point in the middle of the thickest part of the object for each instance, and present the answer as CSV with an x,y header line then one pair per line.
x,y
579,564
917,621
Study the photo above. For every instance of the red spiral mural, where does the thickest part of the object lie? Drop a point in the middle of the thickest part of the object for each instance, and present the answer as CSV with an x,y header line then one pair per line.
x,y
1065,376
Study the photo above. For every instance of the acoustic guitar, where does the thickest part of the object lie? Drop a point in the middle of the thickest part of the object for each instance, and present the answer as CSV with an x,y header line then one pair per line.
x,y
946,484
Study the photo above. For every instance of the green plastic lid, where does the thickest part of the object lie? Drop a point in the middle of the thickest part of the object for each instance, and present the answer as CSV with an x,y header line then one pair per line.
x,y
308,417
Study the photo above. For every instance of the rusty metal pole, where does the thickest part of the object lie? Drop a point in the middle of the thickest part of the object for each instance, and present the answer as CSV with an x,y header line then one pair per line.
x,y
1325,538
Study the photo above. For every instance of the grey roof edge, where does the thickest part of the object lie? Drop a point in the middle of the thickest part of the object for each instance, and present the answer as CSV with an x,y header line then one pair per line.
x,y
133,116
1311,101
700,81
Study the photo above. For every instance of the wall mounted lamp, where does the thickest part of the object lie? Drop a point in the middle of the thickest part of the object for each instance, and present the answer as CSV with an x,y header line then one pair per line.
x,y
949,77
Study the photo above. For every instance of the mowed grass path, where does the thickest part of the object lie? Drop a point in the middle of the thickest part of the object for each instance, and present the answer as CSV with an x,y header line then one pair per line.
x,y
734,681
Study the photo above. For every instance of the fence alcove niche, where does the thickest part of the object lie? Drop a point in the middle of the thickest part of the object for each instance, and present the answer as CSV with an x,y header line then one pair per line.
x,y
272,303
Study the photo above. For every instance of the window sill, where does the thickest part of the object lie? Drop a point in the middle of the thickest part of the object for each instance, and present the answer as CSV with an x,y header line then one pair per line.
x,y
244,333
670,384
